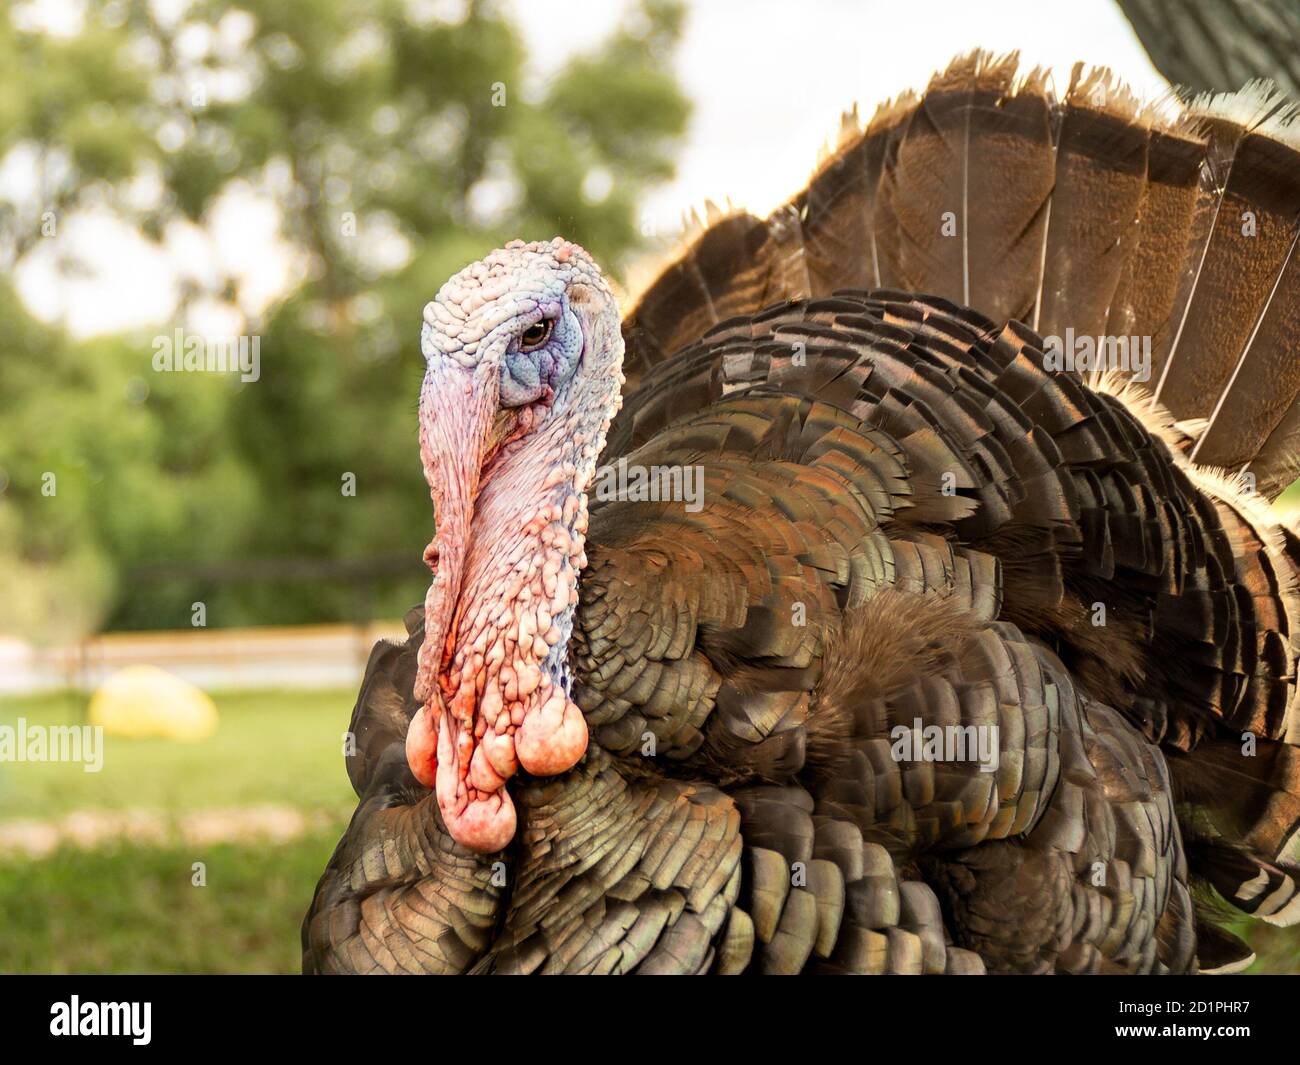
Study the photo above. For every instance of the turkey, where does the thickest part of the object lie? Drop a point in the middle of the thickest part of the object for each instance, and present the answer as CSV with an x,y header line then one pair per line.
x,y
893,589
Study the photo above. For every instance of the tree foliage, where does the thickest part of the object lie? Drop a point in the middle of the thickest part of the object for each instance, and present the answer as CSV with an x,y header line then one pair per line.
x,y
397,140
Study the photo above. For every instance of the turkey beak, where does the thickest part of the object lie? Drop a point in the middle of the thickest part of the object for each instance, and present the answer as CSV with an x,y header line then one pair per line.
x,y
458,423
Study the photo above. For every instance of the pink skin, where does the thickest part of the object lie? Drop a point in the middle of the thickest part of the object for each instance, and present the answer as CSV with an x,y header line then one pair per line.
x,y
509,491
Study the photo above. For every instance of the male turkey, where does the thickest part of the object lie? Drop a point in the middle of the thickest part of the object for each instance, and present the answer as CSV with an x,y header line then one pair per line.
x,y
717,735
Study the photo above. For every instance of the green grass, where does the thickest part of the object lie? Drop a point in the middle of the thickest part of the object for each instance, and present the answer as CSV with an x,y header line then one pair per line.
x,y
1288,503
1277,950
270,747
127,908
133,909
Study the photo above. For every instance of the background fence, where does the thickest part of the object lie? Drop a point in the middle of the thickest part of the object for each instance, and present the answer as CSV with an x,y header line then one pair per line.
x,y
307,656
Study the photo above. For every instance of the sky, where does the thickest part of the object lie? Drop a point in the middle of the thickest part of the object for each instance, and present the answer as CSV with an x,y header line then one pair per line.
x,y
768,80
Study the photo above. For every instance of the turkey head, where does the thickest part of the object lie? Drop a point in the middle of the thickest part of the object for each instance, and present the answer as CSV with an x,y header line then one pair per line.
x,y
523,374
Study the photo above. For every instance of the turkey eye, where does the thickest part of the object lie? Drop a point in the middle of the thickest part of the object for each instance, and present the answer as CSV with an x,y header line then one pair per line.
x,y
536,335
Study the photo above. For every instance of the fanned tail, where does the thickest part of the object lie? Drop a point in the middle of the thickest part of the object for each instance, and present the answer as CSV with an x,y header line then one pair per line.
x,y
1167,235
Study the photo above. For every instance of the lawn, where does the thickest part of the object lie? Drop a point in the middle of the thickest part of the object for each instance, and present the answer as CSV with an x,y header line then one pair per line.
x,y
270,747
1277,950
131,907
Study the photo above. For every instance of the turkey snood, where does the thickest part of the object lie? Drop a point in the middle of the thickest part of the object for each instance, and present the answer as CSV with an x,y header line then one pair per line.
x,y
524,358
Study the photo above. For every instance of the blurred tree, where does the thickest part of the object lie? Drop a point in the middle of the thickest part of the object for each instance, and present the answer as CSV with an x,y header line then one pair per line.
x,y
1220,45
397,139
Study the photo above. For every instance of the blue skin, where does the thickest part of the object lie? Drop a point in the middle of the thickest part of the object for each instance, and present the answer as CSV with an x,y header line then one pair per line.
x,y
527,375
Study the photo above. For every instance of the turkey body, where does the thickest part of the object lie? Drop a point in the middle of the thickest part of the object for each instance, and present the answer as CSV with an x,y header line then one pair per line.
x,y
953,662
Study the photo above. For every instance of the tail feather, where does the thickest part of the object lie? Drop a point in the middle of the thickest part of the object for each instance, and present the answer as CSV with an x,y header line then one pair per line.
x,y
1262,386
1249,243
965,186
1239,814
1008,197
1216,145
739,264
924,182
674,311
1101,164
1176,226
1277,464
1252,885
1168,215
1218,952
1247,792
835,213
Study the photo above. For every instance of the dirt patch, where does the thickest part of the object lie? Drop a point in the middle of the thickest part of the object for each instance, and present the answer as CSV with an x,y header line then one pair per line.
x,y
37,837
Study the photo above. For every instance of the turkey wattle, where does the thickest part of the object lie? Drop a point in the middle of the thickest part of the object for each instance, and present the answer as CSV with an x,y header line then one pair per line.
x,y
662,738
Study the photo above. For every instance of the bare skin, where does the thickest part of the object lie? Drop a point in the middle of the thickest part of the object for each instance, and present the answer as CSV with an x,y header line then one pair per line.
x,y
523,375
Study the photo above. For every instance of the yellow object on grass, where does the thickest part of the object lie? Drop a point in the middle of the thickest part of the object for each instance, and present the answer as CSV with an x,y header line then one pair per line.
x,y
143,701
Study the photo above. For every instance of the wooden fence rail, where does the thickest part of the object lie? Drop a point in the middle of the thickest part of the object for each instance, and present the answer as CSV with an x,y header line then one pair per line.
x,y
305,656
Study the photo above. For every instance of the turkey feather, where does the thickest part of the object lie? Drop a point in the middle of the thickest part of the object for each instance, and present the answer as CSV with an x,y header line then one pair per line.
x,y
961,660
